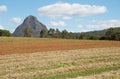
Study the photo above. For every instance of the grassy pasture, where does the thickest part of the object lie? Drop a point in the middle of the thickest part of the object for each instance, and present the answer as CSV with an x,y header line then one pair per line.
x,y
34,58
60,64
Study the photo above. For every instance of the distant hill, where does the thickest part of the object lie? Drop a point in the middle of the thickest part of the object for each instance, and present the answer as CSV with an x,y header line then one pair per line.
x,y
99,32
30,21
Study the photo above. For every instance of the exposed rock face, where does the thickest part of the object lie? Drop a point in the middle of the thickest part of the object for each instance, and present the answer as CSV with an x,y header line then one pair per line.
x,y
32,22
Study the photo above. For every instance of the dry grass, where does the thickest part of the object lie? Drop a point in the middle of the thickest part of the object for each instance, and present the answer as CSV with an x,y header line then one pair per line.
x,y
42,65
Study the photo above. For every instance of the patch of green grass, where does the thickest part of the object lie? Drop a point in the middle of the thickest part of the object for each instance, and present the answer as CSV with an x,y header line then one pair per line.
x,y
78,73
57,66
106,56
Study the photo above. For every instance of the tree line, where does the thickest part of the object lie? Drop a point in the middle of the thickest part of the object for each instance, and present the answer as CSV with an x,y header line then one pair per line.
x,y
55,33
111,34
5,33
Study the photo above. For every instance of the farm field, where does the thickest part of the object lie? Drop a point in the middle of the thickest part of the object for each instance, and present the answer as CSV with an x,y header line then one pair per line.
x,y
14,45
34,58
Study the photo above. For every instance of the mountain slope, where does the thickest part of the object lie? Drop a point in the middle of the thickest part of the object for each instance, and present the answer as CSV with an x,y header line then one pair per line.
x,y
30,21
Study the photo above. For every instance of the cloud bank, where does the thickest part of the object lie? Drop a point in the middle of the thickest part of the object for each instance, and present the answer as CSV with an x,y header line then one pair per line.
x,y
57,24
104,24
68,10
15,20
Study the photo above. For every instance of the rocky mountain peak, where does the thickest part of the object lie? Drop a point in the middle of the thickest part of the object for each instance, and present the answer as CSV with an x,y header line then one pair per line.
x,y
30,18
30,21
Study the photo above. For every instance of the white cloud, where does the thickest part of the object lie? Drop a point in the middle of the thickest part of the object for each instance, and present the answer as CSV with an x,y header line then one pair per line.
x,y
80,26
1,27
104,24
57,24
3,8
69,10
66,18
85,30
15,20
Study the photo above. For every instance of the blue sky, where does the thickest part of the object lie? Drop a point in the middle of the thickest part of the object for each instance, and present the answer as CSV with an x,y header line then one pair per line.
x,y
73,15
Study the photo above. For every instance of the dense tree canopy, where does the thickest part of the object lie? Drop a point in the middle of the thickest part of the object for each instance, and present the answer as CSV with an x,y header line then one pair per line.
x,y
4,33
43,34
113,34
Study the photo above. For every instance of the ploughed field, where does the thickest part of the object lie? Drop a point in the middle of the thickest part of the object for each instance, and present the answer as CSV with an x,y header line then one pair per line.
x,y
14,45
35,58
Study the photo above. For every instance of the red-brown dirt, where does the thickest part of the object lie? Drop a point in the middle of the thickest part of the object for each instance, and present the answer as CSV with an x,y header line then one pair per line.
x,y
30,45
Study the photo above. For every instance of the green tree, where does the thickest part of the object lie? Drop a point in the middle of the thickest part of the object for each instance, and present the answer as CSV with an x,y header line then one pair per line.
x,y
113,34
84,36
117,36
94,37
103,38
28,32
57,34
109,33
51,32
71,35
43,33
65,34
5,33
